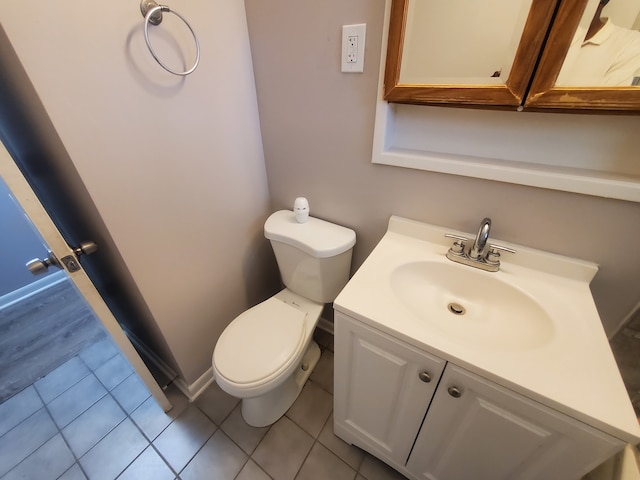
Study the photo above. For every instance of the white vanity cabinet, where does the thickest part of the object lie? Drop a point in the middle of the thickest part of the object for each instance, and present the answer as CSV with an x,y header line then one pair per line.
x,y
467,427
382,389
477,429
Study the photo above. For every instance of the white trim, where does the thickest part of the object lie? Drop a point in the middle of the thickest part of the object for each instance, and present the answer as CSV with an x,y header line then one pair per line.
x,y
150,355
325,325
23,293
193,391
627,318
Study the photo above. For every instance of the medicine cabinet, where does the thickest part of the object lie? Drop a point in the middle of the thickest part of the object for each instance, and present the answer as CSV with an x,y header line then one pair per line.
x,y
514,54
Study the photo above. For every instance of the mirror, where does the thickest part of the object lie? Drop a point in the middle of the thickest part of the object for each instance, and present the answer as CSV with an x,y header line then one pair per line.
x,y
605,50
476,44
495,71
493,53
561,83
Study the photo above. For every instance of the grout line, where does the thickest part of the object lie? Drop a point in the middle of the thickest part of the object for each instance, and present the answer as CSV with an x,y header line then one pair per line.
x,y
170,423
316,439
163,459
133,461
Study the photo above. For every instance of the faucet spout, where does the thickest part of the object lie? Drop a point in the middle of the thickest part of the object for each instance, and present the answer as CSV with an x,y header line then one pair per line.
x,y
481,255
477,251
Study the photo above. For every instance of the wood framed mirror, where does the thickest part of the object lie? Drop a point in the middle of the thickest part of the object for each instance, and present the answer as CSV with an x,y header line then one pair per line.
x,y
542,46
567,32
492,86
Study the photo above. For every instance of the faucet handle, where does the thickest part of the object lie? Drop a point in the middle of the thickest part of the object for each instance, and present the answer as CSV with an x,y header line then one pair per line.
x,y
458,245
493,257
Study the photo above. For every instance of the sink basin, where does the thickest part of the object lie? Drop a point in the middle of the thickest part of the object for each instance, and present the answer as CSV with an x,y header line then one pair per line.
x,y
471,305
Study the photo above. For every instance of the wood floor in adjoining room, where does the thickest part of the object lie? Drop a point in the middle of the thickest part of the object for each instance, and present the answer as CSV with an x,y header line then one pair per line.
x,y
41,333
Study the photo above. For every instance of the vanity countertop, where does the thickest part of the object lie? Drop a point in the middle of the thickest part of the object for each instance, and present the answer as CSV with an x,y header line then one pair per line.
x,y
573,372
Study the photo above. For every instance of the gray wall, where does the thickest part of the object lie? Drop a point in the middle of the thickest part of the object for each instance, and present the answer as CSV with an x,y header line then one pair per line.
x,y
317,128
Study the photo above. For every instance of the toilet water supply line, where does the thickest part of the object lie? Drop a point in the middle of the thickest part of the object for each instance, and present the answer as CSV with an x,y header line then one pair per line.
x,y
152,13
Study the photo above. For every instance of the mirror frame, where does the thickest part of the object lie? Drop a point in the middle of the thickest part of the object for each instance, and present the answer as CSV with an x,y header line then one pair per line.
x,y
543,93
510,94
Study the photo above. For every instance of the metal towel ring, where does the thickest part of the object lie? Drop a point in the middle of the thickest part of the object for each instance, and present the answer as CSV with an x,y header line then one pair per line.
x,y
152,14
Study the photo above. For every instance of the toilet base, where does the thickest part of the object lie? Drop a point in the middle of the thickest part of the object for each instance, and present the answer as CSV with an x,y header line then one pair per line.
x,y
266,409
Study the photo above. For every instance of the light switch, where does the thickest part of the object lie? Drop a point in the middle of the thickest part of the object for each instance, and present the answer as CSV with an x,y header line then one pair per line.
x,y
353,39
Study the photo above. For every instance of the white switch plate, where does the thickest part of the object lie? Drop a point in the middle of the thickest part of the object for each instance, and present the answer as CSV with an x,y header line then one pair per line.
x,y
353,38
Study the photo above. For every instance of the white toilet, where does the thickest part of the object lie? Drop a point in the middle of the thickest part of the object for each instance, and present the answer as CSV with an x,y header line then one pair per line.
x,y
266,354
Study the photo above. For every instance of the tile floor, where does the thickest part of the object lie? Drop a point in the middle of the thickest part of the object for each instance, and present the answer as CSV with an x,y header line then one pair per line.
x,y
93,418
625,346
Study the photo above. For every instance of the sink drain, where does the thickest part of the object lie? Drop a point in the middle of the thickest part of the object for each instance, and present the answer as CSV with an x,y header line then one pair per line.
x,y
457,309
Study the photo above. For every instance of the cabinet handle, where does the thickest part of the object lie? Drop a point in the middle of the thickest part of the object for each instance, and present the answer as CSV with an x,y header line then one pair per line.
x,y
424,376
454,392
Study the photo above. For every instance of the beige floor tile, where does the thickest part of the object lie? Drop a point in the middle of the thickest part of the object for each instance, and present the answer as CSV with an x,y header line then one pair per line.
x,y
148,465
218,458
321,464
251,471
374,469
216,403
180,441
323,373
246,436
114,452
348,453
312,408
283,450
150,417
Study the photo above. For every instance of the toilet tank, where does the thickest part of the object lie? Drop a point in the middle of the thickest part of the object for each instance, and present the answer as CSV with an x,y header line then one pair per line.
x,y
314,258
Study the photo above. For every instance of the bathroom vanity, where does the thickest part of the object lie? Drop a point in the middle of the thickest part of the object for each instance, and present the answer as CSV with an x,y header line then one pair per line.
x,y
445,371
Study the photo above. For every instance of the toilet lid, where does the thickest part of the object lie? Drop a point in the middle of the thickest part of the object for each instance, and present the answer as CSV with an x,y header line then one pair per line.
x,y
260,342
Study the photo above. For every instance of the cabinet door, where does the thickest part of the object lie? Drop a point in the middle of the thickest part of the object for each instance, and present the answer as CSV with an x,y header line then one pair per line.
x,y
486,432
382,389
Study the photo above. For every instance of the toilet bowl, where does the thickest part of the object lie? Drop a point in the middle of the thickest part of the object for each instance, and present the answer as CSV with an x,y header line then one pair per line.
x,y
267,353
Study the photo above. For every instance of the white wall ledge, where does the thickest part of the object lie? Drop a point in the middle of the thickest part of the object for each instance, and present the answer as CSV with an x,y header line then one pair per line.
x,y
581,153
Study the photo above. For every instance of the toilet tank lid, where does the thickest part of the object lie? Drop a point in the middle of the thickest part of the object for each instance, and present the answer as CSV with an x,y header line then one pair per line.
x,y
316,237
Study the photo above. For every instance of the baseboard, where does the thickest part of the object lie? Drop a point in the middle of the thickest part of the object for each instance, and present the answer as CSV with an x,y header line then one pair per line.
x,y
630,316
325,325
193,391
23,293
154,363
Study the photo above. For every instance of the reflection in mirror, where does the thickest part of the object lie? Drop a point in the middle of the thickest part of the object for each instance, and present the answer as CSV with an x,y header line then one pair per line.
x,y
476,44
605,50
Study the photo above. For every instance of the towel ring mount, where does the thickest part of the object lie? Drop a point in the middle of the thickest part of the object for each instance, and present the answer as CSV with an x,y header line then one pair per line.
x,y
152,13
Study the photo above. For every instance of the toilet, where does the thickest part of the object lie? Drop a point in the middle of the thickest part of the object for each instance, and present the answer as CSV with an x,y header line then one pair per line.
x,y
266,354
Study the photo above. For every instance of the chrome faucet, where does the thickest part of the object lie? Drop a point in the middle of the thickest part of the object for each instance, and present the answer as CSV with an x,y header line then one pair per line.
x,y
477,251
477,256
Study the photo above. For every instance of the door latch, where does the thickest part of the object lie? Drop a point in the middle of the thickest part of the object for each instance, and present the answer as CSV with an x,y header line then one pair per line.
x,y
70,262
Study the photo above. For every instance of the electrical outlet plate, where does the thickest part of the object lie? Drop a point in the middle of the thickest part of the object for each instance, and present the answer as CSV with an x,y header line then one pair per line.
x,y
353,39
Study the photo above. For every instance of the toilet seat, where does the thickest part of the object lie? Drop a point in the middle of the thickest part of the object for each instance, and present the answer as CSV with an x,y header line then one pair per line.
x,y
260,343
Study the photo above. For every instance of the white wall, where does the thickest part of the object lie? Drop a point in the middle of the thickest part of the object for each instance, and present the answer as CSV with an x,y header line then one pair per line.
x,y
623,13
174,165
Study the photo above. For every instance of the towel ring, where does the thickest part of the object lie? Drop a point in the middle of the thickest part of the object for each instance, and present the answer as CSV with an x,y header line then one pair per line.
x,y
153,14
